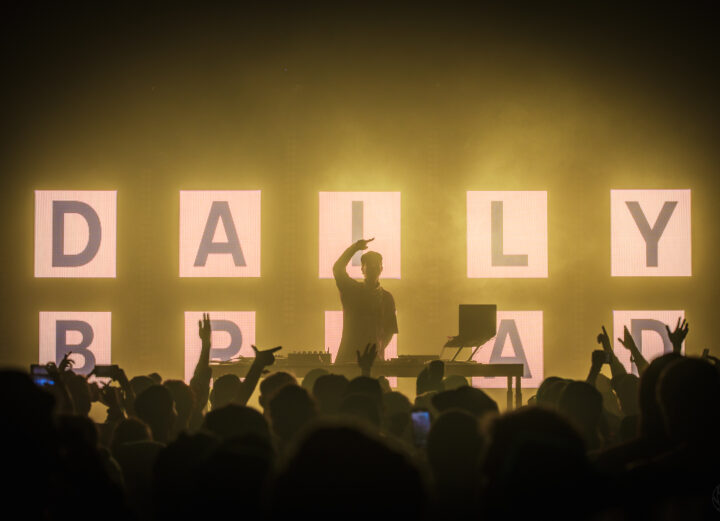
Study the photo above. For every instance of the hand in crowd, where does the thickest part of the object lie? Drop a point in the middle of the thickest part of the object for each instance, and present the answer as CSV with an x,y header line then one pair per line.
x,y
677,337
110,396
604,340
126,392
119,400
52,369
598,358
616,368
66,363
204,329
366,359
636,356
267,357
628,341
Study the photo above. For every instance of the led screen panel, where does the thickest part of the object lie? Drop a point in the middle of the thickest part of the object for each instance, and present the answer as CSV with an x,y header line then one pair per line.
x,y
233,334
519,340
85,334
220,233
650,233
507,234
75,233
648,330
346,217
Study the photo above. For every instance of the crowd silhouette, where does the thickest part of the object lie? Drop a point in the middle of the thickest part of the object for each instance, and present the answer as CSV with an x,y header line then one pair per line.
x,y
624,447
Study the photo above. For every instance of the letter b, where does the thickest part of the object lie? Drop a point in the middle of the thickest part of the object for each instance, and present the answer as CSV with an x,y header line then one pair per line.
x,y
62,347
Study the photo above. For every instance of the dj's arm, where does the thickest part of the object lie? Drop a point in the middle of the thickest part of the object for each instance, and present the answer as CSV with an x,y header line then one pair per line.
x,y
340,266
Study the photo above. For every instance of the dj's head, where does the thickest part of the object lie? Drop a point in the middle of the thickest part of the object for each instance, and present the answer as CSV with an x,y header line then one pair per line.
x,y
371,265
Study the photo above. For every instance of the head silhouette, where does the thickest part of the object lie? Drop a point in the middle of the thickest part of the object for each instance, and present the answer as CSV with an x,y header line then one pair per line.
x,y
538,452
581,403
469,399
308,381
236,420
224,390
346,469
271,385
651,421
140,383
79,390
687,392
454,449
155,406
329,391
291,408
362,407
366,386
396,413
548,394
371,266
128,430
184,400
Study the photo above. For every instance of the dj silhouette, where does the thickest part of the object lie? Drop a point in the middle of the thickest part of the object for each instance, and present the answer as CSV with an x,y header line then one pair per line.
x,y
368,309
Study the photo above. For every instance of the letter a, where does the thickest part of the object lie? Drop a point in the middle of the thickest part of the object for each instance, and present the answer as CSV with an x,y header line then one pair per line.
x,y
508,328
220,210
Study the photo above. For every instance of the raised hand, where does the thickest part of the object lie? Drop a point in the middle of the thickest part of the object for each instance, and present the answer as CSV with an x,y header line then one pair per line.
x,y
362,244
366,359
616,368
66,363
677,337
636,356
110,396
267,357
121,377
598,358
204,329
604,340
628,341
52,369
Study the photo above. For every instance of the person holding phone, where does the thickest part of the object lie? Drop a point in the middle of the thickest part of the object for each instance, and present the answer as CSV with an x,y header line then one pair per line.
x,y
368,309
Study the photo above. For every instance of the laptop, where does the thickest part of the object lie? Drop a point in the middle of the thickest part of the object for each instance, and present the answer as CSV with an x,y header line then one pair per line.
x,y
477,324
